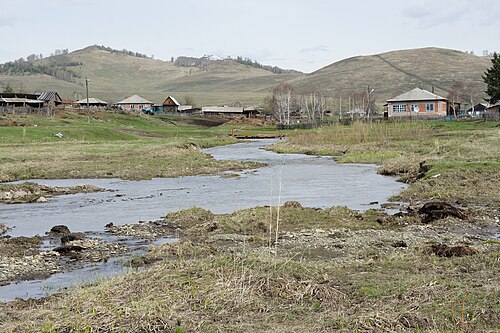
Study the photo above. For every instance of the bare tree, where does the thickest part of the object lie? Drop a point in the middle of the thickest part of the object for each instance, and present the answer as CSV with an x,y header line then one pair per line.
x,y
456,95
282,102
188,100
313,105
472,95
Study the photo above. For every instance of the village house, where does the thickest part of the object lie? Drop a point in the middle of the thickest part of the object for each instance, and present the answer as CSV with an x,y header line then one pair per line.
x,y
478,109
417,103
170,105
135,103
92,102
492,113
49,98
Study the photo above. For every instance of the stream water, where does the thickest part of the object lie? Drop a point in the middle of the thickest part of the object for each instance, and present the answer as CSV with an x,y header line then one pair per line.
x,y
312,181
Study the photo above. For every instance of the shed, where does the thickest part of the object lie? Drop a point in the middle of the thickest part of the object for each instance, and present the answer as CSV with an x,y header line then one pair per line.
x,y
229,111
20,99
492,113
49,98
478,109
170,105
92,102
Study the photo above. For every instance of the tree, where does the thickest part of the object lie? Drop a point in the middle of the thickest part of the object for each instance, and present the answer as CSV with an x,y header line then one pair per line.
x,y
313,105
188,100
492,79
472,95
282,102
456,95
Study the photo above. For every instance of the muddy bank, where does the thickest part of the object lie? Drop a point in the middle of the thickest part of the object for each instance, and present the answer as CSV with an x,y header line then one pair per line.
x,y
31,192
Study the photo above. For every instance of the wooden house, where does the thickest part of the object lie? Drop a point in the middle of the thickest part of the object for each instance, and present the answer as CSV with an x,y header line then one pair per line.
x,y
170,105
135,103
49,98
417,103
492,113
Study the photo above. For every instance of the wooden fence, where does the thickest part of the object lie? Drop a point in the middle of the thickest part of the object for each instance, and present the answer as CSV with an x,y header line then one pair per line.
x,y
26,110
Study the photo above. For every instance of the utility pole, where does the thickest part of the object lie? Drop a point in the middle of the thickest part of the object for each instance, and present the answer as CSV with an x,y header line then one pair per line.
x,y
368,109
87,89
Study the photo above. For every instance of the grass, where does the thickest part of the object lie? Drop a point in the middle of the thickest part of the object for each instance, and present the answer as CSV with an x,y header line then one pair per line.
x,y
205,288
109,145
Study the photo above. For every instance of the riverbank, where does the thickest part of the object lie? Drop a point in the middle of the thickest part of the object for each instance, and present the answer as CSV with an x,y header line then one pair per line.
x,y
109,145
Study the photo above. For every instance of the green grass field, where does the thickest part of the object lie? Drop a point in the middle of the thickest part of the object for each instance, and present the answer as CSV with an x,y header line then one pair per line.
x,y
110,145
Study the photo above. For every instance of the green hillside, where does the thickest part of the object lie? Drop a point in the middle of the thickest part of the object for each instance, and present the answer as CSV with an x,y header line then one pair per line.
x,y
395,72
115,75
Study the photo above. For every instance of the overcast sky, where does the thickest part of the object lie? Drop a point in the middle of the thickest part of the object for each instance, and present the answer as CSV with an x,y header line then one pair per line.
x,y
300,34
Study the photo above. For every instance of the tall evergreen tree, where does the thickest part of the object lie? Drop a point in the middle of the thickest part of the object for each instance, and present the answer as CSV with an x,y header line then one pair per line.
x,y
492,79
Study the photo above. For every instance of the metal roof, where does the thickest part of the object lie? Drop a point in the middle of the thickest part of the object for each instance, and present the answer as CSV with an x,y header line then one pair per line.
x,y
417,94
92,100
185,107
48,96
20,100
222,109
135,99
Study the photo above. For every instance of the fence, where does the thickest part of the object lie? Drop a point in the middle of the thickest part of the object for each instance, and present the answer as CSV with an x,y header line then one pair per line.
x,y
26,110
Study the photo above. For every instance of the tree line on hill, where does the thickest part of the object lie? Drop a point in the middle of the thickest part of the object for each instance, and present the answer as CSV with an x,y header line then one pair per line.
x,y
56,65
184,61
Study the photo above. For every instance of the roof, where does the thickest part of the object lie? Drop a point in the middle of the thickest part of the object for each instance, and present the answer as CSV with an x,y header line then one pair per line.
x,y
18,95
173,100
20,100
135,99
92,100
222,109
185,107
417,94
48,96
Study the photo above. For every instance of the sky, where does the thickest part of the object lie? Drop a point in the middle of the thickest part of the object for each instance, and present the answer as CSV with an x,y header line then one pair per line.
x,y
304,35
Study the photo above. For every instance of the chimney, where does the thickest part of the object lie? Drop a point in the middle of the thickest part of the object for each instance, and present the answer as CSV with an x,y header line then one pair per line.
x,y
433,89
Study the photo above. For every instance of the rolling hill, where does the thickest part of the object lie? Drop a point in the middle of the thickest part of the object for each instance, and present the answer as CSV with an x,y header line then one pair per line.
x,y
116,75
395,72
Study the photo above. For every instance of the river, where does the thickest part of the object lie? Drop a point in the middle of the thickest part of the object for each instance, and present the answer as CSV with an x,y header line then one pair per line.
x,y
313,181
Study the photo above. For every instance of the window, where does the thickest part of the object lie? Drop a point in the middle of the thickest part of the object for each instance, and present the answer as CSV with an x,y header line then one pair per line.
x,y
429,107
414,108
398,108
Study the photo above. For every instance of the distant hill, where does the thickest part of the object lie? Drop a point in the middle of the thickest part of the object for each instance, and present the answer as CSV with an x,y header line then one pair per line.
x,y
115,75
393,73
